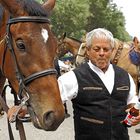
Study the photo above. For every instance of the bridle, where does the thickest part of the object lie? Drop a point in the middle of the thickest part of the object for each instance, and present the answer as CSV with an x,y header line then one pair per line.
x,y
24,81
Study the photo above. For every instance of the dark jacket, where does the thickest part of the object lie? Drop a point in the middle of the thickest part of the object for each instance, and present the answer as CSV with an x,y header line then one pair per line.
x,y
97,113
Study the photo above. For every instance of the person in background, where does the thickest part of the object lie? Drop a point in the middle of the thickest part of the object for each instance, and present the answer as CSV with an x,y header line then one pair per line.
x,y
100,92
134,52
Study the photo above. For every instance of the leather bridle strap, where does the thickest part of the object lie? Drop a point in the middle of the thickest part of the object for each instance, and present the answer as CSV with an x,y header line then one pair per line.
x,y
36,75
35,19
19,124
117,55
5,108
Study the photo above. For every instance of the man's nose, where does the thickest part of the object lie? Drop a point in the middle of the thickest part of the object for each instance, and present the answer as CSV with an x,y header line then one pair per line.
x,y
101,51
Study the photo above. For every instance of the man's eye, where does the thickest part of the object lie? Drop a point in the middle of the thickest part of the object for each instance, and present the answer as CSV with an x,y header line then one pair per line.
x,y
105,50
99,49
96,49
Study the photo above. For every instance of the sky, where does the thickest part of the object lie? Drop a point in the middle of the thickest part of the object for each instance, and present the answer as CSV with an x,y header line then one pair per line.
x,y
131,12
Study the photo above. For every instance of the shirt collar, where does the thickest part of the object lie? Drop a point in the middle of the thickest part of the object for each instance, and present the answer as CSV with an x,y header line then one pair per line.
x,y
97,70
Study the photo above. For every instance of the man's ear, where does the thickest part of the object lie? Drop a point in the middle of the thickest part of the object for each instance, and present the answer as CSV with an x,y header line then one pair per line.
x,y
87,51
113,49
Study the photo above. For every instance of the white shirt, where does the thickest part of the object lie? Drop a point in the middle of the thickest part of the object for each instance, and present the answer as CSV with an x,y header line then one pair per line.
x,y
68,84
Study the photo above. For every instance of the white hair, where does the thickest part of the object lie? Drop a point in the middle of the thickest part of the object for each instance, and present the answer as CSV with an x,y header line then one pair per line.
x,y
99,33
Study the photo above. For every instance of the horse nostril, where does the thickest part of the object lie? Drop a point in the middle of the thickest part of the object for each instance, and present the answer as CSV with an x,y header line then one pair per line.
x,y
52,120
49,119
49,115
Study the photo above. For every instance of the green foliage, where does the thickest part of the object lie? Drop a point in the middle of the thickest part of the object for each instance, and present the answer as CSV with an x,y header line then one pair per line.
x,y
70,16
105,14
76,17
40,1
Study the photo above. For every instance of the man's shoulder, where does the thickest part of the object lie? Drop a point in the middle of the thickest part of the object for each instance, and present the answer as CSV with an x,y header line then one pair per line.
x,y
119,69
82,65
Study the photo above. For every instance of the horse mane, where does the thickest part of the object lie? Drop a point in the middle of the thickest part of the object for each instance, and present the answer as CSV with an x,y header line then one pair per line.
x,y
75,39
33,8
1,13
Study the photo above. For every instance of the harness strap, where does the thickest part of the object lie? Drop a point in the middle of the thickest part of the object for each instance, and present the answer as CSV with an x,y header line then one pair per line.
x,y
5,108
20,128
117,55
29,19
36,75
19,124
10,131
3,100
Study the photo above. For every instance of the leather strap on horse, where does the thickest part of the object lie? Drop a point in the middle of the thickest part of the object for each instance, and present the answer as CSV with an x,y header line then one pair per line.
x,y
5,108
19,125
117,55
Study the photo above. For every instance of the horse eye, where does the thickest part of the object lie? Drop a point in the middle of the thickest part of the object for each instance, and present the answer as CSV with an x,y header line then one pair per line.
x,y
20,45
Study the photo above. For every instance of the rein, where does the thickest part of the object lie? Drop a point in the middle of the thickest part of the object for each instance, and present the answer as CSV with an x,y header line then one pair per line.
x,y
23,92
19,125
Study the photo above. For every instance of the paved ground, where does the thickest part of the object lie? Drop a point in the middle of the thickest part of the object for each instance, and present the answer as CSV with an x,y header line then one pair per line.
x,y
64,132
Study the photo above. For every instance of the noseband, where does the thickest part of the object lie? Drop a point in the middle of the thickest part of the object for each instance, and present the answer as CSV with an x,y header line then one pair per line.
x,y
24,81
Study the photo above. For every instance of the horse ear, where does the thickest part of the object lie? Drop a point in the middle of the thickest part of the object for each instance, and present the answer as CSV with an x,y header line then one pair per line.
x,y
13,7
49,5
65,34
62,37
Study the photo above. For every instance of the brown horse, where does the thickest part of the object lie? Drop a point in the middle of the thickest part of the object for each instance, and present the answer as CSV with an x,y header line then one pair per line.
x,y
68,44
72,45
120,55
27,51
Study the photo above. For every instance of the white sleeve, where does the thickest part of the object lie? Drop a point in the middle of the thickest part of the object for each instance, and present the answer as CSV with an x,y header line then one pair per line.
x,y
68,86
132,98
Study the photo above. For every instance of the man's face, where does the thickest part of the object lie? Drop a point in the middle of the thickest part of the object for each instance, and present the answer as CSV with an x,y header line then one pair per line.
x,y
100,53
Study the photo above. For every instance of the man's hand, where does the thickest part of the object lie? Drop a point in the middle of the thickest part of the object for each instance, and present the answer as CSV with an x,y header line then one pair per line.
x,y
21,112
136,120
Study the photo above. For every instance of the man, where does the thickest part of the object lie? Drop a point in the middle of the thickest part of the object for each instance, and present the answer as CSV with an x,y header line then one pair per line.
x,y
100,92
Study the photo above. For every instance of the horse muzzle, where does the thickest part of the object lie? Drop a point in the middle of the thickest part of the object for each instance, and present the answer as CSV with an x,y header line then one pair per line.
x,y
50,121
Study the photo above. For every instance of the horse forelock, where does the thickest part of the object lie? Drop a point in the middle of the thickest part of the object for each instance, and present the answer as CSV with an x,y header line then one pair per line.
x,y
33,8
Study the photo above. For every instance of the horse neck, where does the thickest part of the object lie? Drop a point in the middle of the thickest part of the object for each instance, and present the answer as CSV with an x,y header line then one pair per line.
x,y
72,45
3,24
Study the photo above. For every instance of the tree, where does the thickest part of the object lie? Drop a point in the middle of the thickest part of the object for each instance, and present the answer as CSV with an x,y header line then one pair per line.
x,y
40,1
70,16
76,17
105,14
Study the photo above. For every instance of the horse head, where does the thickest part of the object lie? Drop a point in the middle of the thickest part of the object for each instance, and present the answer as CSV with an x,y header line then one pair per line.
x,y
62,49
68,44
81,56
27,53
